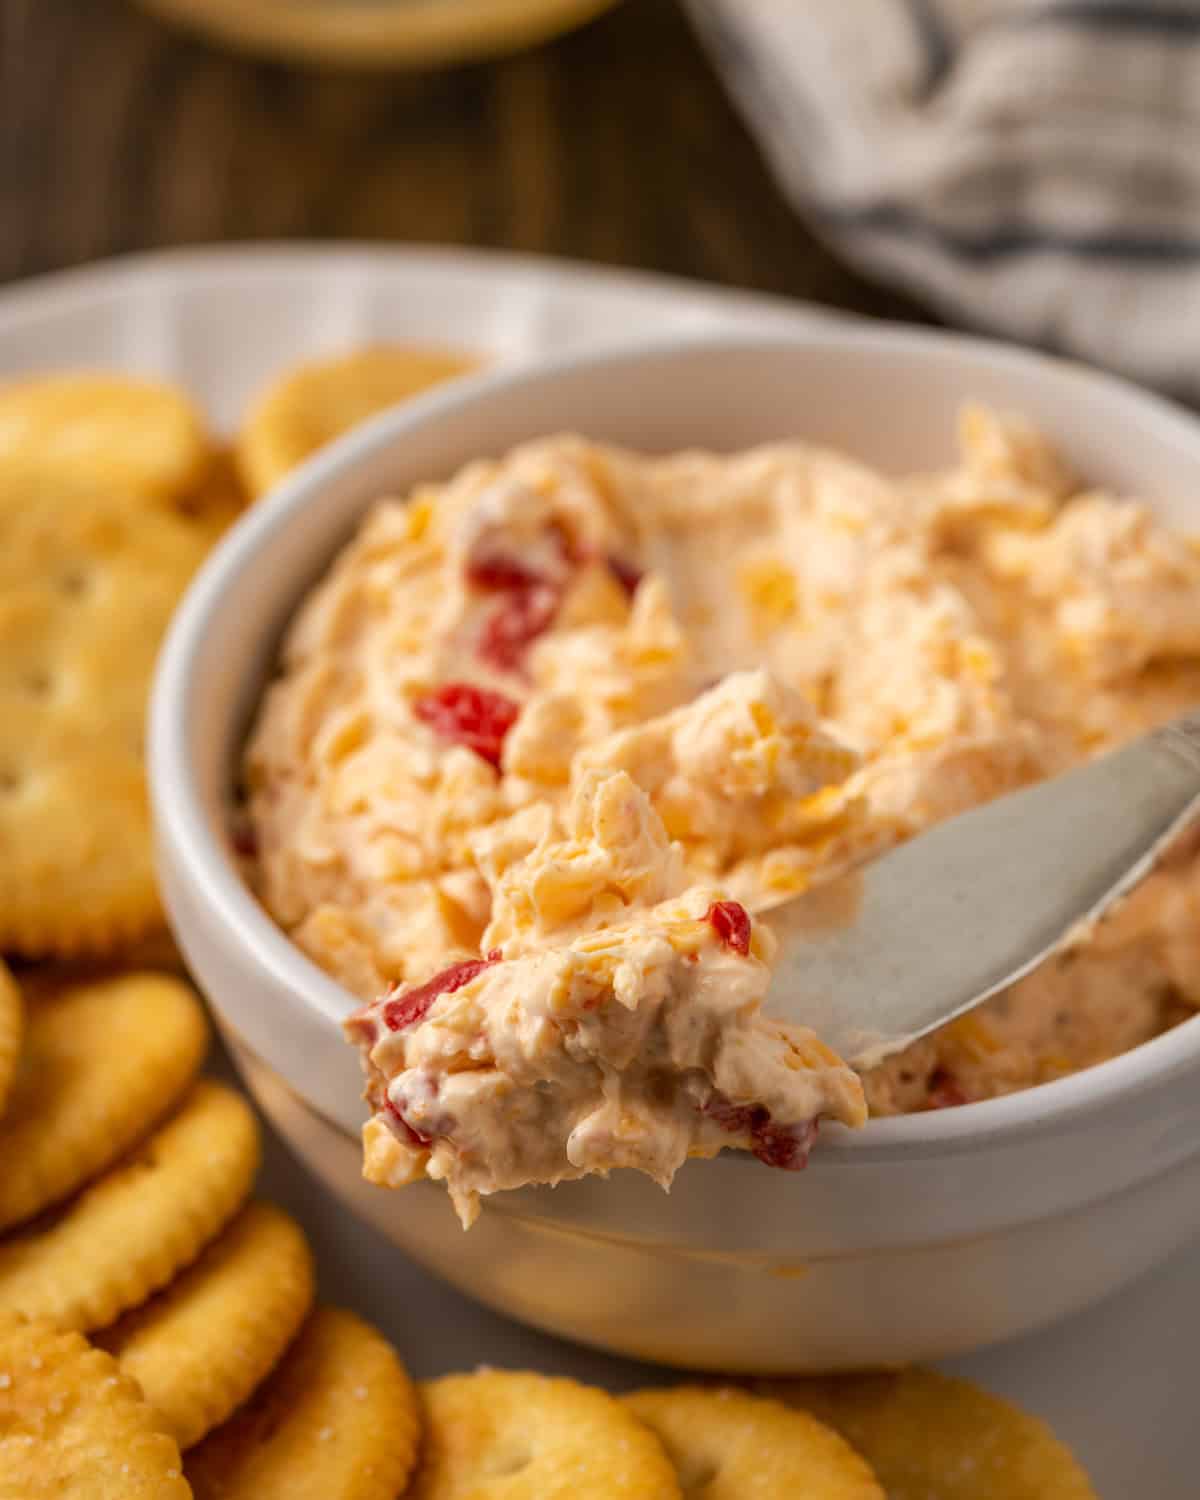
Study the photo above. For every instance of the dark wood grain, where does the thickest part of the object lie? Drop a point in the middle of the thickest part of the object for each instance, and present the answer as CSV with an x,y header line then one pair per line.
x,y
614,144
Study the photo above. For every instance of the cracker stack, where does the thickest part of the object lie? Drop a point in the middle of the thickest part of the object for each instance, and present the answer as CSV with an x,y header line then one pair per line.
x,y
124,1176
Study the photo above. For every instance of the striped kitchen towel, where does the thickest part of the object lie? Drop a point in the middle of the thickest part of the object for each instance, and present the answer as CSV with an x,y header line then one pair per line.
x,y
1028,167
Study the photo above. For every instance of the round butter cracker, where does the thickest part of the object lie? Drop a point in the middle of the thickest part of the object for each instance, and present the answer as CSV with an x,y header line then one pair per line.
x,y
201,1347
102,1062
112,430
728,1445
73,1427
336,1421
317,402
508,1435
89,578
932,1437
131,1231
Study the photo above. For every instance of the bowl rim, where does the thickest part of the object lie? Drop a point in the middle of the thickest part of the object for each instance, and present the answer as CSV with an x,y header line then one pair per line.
x,y
178,807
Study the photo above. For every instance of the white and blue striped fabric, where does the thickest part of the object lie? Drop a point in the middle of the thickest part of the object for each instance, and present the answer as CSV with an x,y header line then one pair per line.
x,y
1028,167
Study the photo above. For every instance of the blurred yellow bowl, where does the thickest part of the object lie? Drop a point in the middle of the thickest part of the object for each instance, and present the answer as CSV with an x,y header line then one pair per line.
x,y
380,33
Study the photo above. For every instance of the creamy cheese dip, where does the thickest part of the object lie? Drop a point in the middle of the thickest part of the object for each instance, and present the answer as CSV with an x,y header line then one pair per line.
x,y
542,720
614,1022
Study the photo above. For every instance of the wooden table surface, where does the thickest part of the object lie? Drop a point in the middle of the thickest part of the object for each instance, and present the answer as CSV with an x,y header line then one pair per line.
x,y
613,144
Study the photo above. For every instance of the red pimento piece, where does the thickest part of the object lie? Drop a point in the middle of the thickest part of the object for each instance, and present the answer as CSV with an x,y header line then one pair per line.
x,y
945,1092
467,715
625,573
531,601
516,623
243,838
413,1137
411,1006
495,571
783,1146
499,570
736,1118
731,922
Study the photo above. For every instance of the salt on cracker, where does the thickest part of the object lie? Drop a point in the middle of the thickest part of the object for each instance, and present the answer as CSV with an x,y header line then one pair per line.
x,y
102,1062
72,1427
200,1348
12,1026
932,1437
89,577
728,1445
125,1236
336,1421
110,430
517,1436
317,402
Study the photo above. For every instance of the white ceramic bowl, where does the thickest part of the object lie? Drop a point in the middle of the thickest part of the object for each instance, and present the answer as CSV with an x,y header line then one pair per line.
x,y
912,1239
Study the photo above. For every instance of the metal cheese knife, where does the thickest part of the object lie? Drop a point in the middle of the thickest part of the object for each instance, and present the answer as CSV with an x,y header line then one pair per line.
x,y
879,957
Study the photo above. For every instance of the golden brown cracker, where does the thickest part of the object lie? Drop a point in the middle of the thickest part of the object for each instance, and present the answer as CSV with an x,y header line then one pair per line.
x,y
73,1427
12,1027
88,580
931,1437
508,1435
110,430
127,1234
336,1421
201,1347
728,1445
317,402
102,1062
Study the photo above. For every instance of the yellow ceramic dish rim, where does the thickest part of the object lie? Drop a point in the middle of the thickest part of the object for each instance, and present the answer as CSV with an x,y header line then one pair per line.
x,y
380,33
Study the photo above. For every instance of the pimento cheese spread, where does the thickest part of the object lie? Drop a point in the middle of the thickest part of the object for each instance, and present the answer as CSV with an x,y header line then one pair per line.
x,y
548,735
